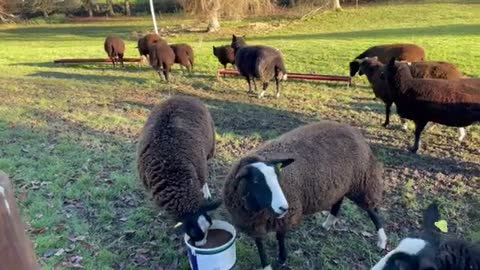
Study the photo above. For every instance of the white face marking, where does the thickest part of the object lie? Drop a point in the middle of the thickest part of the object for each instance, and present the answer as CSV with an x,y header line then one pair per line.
x,y
206,191
204,226
2,193
279,201
331,220
461,133
409,246
382,239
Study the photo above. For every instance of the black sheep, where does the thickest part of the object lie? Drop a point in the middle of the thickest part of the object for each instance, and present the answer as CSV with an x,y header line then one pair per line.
x,y
146,42
183,55
401,52
259,62
115,48
453,103
162,58
225,55
431,250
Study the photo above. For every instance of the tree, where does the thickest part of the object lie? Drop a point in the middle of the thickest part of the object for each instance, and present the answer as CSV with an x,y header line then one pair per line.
x,y
213,10
336,5
128,12
46,7
110,8
88,5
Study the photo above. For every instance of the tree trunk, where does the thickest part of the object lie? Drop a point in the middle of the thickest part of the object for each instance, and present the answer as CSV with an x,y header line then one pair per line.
x,y
45,14
90,12
213,23
336,5
110,8
128,12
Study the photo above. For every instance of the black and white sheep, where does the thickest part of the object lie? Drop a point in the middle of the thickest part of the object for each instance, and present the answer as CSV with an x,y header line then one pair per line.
x,y
401,52
372,68
453,103
259,62
304,171
183,55
162,58
173,150
225,55
430,250
115,49
146,42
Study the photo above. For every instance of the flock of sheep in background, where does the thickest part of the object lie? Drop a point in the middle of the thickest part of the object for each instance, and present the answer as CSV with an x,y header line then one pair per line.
x,y
309,169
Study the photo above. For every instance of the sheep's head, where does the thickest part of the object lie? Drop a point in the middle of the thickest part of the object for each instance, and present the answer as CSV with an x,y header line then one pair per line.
x,y
262,186
369,65
196,224
415,253
238,42
395,67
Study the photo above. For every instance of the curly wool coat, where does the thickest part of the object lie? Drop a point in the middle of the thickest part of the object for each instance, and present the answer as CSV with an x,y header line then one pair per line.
x,y
147,41
173,150
332,160
225,55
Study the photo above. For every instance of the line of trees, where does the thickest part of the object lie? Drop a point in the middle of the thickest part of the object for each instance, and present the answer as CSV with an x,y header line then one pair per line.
x,y
209,10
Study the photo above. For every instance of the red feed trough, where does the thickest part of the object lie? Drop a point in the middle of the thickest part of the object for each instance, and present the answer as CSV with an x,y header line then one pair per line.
x,y
297,76
94,60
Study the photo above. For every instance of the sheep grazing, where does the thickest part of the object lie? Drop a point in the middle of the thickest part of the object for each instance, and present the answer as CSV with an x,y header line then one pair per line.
x,y
373,69
162,58
225,55
401,52
115,48
431,250
173,150
259,62
448,102
146,42
183,55
307,170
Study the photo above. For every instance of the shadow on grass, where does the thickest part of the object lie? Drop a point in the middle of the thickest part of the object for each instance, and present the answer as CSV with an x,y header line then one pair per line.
x,y
84,77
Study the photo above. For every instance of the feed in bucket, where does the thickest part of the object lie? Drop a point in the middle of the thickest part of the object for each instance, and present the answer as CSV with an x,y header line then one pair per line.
x,y
219,253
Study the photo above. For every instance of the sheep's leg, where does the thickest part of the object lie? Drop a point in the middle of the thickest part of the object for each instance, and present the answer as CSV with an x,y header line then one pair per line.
x,y
224,67
388,105
254,84
282,249
121,60
404,124
249,85
264,88
262,254
166,70
277,83
419,126
461,133
332,216
378,222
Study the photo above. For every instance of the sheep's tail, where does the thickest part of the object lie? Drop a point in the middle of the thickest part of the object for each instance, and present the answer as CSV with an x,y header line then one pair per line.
x,y
280,70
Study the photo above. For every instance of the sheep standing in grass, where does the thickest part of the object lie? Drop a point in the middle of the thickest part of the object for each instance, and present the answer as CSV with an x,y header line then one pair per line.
x,y
401,52
307,170
162,58
372,68
259,62
115,48
225,55
431,251
183,55
146,42
453,103
173,150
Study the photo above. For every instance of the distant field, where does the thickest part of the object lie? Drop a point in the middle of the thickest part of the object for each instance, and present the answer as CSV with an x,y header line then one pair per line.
x,y
68,133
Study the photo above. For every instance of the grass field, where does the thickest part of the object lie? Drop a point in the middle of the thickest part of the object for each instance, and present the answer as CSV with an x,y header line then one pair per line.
x,y
68,133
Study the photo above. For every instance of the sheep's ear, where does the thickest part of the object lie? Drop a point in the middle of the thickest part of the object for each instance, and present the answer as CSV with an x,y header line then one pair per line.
x,y
430,216
211,205
244,172
282,163
234,37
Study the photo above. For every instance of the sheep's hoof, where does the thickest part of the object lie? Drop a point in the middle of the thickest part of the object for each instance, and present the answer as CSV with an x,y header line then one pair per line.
x,y
413,150
385,124
282,261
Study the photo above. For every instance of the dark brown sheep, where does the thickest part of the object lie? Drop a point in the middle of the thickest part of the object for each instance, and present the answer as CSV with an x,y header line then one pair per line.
x,y
401,52
183,55
373,69
146,42
453,103
225,55
173,150
115,49
162,58
304,171
430,249
259,62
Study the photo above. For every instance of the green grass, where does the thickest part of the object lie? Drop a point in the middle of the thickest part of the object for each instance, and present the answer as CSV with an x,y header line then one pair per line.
x,y
68,133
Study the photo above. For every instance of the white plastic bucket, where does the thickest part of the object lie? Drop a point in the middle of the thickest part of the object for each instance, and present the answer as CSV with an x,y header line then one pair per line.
x,y
218,258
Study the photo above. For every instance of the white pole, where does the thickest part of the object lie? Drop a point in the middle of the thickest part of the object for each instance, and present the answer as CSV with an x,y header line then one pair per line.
x,y
152,10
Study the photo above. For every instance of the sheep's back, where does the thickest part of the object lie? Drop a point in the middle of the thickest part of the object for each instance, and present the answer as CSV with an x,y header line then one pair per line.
x,y
116,43
331,160
257,61
148,41
405,52
435,70
161,53
225,54
175,144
